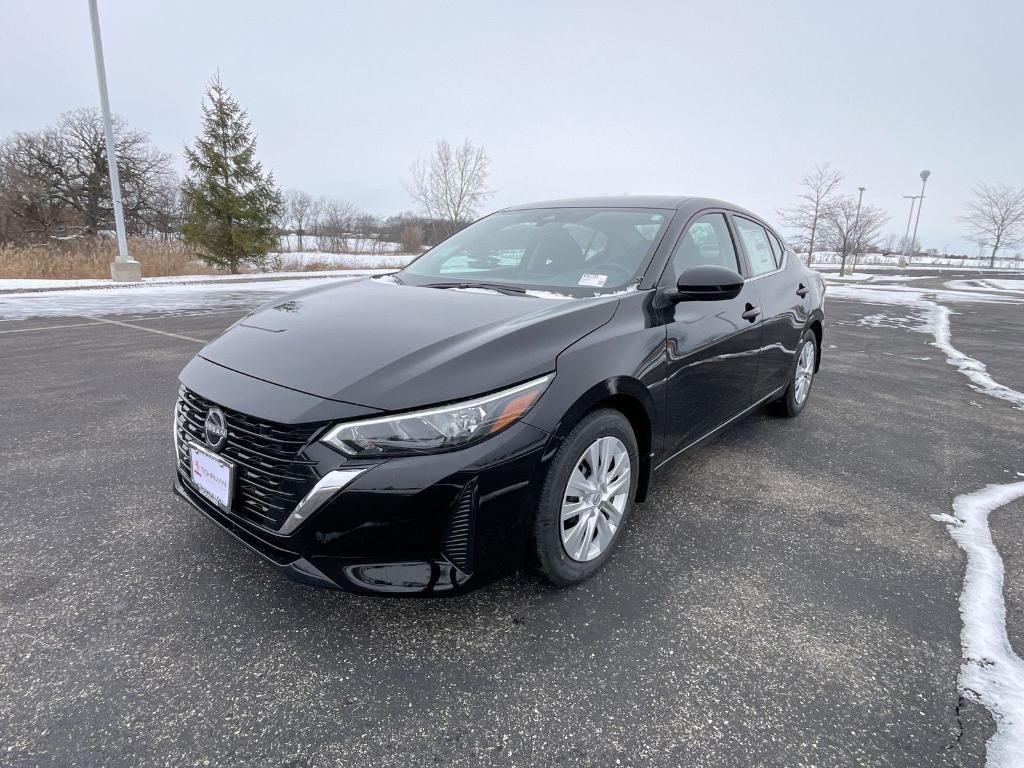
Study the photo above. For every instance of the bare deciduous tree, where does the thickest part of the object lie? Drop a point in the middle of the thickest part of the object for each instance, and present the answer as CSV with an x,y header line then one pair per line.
x,y
818,189
995,217
299,207
412,239
846,231
451,185
334,225
56,184
890,245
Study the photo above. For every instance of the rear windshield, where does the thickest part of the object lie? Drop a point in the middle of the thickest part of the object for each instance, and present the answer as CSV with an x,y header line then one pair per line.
x,y
578,251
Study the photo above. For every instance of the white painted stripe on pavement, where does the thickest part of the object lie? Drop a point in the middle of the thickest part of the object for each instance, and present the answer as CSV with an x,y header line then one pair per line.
x,y
144,328
49,327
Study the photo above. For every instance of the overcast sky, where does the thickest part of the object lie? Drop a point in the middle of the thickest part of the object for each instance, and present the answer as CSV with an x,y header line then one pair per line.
x,y
732,100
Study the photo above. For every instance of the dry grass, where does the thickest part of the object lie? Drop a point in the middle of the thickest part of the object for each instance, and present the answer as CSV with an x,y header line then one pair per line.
x,y
91,257
284,263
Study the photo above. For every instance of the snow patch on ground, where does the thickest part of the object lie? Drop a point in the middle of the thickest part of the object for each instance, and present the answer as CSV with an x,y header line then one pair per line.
x,y
885,321
905,294
934,319
1013,287
991,673
854,278
19,284
975,370
141,297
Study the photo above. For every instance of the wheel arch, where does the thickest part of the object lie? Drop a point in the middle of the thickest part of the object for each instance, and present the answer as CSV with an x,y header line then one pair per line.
x,y
817,328
634,401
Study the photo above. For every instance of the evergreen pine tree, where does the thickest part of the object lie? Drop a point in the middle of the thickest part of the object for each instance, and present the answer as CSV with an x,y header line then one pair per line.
x,y
229,202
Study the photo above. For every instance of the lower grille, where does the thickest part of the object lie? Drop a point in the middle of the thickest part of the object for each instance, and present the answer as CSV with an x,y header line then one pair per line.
x,y
457,545
271,473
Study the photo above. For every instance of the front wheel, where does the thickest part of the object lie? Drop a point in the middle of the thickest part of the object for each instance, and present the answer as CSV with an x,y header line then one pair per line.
x,y
587,498
800,378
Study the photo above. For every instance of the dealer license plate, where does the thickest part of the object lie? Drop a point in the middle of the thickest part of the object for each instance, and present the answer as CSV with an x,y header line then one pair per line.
x,y
212,476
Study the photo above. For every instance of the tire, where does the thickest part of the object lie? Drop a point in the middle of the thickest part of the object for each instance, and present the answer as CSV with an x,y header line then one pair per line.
x,y
604,437
796,396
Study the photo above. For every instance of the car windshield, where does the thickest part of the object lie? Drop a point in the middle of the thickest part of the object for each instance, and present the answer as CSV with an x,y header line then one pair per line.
x,y
574,251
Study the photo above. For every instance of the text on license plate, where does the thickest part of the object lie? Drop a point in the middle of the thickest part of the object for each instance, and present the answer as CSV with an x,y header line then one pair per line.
x,y
211,475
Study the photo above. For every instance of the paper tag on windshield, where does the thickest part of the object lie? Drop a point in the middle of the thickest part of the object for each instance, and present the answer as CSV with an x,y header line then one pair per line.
x,y
595,281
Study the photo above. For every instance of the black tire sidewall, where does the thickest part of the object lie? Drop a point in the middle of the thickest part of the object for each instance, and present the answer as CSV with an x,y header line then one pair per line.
x,y
556,565
792,406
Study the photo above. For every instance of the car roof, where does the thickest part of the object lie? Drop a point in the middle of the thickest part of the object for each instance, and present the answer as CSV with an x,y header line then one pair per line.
x,y
665,202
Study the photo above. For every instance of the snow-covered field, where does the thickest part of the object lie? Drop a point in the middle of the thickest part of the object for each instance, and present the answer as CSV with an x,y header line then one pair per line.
x,y
346,260
353,245
826,261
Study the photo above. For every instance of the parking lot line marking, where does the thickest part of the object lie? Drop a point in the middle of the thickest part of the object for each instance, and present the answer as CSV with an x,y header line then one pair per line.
x,y
49,327
149,330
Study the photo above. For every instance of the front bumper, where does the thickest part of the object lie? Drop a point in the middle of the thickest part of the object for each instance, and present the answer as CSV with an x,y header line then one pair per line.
x,y
414,525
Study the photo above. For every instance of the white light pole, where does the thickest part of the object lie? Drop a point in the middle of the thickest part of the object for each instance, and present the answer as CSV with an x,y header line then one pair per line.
x,y
906,237
856,231
124,267
924,180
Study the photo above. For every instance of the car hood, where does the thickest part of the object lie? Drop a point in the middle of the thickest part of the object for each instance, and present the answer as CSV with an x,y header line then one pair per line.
x,y
390,346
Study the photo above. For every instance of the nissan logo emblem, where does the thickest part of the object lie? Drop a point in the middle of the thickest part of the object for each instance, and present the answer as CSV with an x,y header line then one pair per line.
x,y
216,429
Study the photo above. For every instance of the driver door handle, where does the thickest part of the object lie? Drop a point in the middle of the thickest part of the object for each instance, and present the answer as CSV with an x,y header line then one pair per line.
x,y
751,313
801,291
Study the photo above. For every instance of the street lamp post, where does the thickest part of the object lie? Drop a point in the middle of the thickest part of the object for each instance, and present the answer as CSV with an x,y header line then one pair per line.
x,y
924,180
906,237
124,268
856,231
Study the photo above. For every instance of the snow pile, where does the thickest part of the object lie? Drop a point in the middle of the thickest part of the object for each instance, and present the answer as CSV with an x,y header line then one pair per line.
x,y
991,673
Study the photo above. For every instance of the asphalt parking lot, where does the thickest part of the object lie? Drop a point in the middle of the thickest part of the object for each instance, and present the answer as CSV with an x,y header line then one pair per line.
x,y
784,597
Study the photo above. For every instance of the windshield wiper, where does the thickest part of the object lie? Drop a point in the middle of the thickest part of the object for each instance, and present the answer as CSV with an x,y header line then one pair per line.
x,y
500,287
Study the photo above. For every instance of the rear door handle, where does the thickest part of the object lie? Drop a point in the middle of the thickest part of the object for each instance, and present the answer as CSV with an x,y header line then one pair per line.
x,y
801,291
751,313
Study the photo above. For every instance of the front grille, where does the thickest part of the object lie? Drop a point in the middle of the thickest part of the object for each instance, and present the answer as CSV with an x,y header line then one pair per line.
x,y
271,473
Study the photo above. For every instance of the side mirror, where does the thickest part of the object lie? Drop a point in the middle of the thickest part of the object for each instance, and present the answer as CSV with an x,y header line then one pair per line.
x,y
708,282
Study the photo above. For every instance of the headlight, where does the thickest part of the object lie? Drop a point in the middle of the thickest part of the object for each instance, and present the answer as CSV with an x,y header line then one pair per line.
x,y
437,429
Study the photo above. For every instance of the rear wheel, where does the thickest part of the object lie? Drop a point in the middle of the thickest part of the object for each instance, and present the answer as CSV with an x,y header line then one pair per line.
x,y
800,379
587,498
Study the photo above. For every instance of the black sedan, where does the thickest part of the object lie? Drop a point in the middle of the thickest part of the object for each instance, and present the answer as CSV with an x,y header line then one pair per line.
x,y
507,397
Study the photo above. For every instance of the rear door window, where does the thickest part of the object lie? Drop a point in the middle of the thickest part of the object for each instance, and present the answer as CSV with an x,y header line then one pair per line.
x,y
757,246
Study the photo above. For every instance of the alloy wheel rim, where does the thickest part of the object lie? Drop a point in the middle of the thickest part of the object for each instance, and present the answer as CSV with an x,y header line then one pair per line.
x,y
804,372
595,499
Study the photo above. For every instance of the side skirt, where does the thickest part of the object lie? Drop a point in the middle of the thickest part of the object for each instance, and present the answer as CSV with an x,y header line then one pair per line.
x,y
770,396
